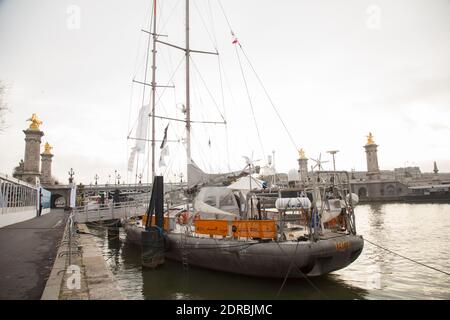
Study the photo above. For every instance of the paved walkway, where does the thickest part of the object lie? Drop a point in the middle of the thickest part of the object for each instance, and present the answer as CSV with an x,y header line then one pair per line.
x,y
27,252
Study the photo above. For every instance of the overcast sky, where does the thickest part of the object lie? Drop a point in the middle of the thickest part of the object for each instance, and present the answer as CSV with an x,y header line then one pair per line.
x,y
335,70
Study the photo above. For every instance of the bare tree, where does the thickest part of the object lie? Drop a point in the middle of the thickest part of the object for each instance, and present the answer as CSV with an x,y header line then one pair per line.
x,y
3,106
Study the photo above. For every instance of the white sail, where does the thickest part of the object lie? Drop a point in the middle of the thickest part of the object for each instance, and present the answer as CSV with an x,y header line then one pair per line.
x,y
196,177
141,130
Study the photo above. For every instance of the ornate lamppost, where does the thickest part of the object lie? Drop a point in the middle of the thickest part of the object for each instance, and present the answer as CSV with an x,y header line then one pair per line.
x,y
71,174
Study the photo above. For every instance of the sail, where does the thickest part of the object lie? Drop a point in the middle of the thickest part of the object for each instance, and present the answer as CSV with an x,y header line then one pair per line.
x,y
246,184
217,203
141,136
141,131
196,177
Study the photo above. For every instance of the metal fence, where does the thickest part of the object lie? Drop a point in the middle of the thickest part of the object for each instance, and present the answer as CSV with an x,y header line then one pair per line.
x,y
16,195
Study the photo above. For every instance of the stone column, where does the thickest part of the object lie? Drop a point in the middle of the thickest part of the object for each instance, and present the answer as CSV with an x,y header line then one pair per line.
x,y
373,171
32,150
46,168
303,166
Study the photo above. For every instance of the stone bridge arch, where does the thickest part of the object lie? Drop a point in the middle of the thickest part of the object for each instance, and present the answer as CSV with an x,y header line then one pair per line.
x,y
58,201
362,192
60,197
390,190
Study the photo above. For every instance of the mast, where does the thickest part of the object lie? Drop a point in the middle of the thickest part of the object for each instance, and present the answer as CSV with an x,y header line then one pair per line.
x,y
187,110
188,101
153,88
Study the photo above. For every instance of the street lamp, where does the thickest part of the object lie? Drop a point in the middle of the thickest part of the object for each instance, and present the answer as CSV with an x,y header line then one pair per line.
x,y
118,179
71,174
333,152
115,177
140,178
96,178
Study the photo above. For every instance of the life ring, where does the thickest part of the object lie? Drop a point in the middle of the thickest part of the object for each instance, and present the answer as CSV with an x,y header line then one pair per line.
x,y
183,217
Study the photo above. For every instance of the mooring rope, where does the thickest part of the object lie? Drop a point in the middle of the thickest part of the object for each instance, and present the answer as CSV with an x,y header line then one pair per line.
x,y
303,274
412,260
289,270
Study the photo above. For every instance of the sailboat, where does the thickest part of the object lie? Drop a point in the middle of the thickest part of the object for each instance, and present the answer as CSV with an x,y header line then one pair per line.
x,y
242,228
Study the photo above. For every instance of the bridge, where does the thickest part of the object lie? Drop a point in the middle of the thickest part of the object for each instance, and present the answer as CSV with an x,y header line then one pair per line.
x,y
135,202
100,212
91,190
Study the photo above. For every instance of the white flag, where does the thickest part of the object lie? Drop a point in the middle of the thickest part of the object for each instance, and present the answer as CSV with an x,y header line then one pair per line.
x,y
131,160
164,153
162,163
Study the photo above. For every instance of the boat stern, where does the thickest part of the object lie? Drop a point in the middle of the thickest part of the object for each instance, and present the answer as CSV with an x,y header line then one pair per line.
x,y
336,253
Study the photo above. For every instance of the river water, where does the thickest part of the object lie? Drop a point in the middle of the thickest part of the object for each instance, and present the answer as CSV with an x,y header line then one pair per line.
x,y
418,231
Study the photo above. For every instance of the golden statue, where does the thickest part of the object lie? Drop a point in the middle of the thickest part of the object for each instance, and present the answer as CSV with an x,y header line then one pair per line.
x,y
35,122
47,148
370,139
301,153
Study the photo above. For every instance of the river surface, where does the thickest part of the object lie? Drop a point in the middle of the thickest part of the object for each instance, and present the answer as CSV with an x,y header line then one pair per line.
x,y
418,231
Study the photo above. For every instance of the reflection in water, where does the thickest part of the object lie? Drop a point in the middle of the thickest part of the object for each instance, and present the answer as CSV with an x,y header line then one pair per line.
x,y
171,282
419,231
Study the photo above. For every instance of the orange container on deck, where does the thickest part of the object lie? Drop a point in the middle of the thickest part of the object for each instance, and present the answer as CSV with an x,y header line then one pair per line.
x,y
212,227
264,229
166,221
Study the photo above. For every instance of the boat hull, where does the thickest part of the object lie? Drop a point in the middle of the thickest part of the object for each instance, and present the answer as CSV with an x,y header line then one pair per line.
x,y
261,259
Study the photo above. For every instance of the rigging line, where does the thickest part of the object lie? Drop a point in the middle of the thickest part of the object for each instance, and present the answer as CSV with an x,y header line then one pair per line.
x,y
136,67
170,80
225,114
202,153
196,94
207,89
170,16
169,166
304,275
145,71
129,116
268,97
227,82
412,260
226,18
205,127
250,101
204,25
135,73
211,20
161,10
175,128
259,79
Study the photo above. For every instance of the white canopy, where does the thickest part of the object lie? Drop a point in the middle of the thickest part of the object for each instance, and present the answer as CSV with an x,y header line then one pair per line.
x,y
244,184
